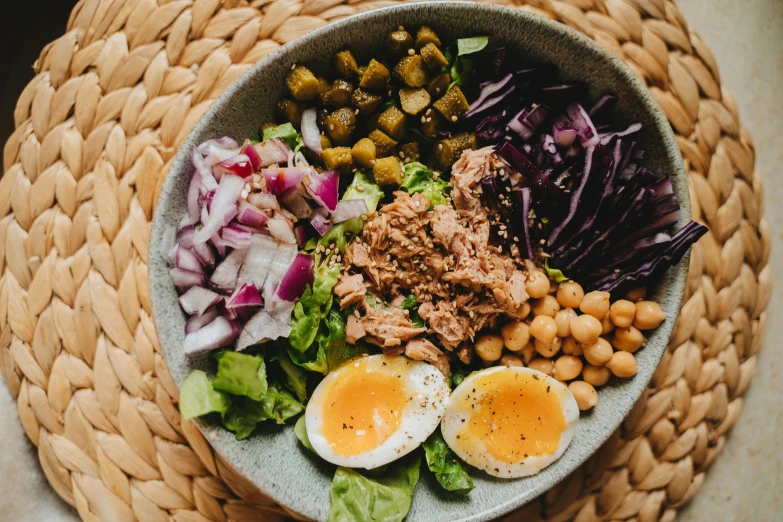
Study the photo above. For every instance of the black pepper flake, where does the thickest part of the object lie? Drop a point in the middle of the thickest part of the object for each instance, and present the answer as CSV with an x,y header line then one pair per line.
x,y
345,426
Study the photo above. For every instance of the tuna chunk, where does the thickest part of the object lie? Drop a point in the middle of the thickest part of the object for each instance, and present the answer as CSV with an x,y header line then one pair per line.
x,y
354,330
424,350
350,290
388,326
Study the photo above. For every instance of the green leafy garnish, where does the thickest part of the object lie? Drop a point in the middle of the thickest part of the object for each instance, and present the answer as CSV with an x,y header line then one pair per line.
x,y
300,430
554,273
447,468
287,133
244,414
418,179
296,378
241,374
330,350
471,45
409,303
458,374
197,397
364,187
385,498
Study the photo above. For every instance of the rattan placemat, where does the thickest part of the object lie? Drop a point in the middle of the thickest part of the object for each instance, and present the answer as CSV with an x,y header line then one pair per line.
x,y
96,131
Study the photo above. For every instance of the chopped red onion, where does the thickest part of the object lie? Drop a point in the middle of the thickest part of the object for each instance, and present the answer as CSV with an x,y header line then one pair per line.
x,y
264,200
219,332
251,215
235,237
296,202
320,222
183,279
280,181
198,300
267,325
267,261
301,236
296,279
194,192
187,260
310,133
169,242
196,322
252,155
324,189
238,165
204,170
216,151
245,295
205,254
272,151
349,209
282,230
224,204
224,278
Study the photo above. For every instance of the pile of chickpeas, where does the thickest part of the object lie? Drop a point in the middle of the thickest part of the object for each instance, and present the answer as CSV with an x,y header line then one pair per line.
x,y
577,338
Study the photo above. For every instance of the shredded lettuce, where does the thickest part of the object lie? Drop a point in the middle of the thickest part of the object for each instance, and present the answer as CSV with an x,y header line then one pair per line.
x,y
330,349
295,378
300,430
241,374
287,133
385,498
444,464
197,397
244,414
363,187
418,179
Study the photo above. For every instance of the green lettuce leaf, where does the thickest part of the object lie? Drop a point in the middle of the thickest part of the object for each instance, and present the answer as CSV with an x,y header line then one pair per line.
x,y
296,377
554,273
197,397
386,498
447,468
363,187
281,405
287,133
304,326
471,45
330,350
300,430
417,178
241,374
458,374
244,414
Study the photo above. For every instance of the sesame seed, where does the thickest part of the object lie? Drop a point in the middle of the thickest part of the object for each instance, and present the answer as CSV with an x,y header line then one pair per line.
x,y
440,146
423,119
411,52
400,28
516,238
293,66
331,126
359,188
454,118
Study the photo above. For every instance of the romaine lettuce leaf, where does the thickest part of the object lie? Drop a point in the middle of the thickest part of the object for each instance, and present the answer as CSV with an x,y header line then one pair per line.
x,y
296,378
385,498
444,464
244,413
241,374
363,187
197,397
417,178
300,430
287,133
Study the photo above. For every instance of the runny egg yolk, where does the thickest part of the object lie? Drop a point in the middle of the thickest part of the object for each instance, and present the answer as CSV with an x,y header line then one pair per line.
x,y
362,410
515,416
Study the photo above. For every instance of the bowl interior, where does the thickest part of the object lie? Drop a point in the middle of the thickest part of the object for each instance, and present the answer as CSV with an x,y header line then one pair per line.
x,y
273,459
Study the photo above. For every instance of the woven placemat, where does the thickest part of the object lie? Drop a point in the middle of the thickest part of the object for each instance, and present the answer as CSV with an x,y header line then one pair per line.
x,y
96,131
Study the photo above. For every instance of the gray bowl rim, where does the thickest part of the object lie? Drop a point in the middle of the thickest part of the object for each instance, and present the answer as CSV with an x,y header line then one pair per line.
x,y
675,278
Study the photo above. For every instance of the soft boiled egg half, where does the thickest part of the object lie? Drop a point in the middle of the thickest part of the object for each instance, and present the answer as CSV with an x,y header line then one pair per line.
x,y
510,421
375,409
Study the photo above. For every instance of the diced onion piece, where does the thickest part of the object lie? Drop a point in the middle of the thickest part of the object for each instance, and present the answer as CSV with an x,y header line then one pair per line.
x,y
198,300
252,155
310,133
187,260
264,200
297,204
245,295
197,322
324,189
223,206
280,181
238,165
266,262
216,334
251,215
320,222
235,237
184,279
204,170
281,229
349,209
224,278
272,151
299,275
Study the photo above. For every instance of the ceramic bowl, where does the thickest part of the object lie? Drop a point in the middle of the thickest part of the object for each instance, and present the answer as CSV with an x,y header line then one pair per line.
x,y
272,458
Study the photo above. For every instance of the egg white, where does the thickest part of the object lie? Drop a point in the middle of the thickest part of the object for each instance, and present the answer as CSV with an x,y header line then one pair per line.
x,y
456,418
422,381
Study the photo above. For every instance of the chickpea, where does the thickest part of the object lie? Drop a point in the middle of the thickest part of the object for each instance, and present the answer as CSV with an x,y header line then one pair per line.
x,y
585,328
511,360
622,312
572,347
599,352
543,328
596,375
595,303
622,364
637,294
523,310
628,339
563,321
567,367
607,326
537,284
584,393
547,305
542,365
548,349
648,315
489,347
516,335
528,352
570,294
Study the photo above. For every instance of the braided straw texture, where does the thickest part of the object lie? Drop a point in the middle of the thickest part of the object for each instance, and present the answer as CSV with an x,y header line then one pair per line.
x,y
96,131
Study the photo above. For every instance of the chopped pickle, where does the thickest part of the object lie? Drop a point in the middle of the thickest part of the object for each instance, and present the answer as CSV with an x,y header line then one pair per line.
x,y
339,125
412,71
384,145
414,100
431,123
452,105
425,35
339,94
320,116
409,152
399,42
360,72
372,122
433,57
365,101
392,122
325,143
438,85
302,83
387,171
376,76
323,91
363,153
338,158
448,150
345,65
291,111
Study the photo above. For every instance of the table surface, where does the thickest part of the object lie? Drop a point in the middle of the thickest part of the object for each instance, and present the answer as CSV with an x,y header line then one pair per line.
x,y
747,41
